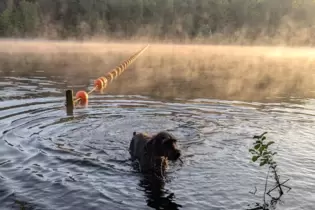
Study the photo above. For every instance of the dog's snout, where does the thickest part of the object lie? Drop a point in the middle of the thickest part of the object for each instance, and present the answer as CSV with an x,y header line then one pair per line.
x,y
178,154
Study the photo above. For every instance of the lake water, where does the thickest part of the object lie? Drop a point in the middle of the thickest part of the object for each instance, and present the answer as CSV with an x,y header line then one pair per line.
x,y
50,160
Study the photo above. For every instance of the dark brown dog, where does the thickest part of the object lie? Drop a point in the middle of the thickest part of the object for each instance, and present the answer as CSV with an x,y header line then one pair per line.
x,y
153,152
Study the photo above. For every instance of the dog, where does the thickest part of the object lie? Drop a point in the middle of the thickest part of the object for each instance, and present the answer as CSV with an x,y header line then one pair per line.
x,y
154,152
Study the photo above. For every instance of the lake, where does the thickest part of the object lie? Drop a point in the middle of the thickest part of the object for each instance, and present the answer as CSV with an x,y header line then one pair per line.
x,y
50,160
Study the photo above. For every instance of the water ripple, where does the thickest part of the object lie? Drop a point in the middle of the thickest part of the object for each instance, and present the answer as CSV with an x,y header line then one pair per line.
x,y
53,161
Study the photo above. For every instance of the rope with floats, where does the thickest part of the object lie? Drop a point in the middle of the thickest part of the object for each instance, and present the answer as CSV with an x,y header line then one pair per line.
x,y
81,97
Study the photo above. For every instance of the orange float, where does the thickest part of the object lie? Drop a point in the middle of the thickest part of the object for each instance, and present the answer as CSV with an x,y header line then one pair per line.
x,y
99,84
115,72
111,76
83,96
105,84
104,81
120,70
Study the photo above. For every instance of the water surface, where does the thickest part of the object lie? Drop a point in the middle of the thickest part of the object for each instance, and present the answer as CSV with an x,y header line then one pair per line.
x,y
50,160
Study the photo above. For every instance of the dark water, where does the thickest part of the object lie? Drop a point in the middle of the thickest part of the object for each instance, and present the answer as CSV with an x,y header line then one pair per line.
x,y
53,161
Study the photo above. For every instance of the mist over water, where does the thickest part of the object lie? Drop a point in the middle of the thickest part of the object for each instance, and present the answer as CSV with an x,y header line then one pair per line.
x,y
170,71
214,99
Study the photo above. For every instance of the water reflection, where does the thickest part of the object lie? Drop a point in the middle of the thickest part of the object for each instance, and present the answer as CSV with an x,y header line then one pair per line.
x,y
34,83
156,196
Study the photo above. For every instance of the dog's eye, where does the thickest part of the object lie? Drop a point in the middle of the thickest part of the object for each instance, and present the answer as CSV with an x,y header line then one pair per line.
x,y
172,140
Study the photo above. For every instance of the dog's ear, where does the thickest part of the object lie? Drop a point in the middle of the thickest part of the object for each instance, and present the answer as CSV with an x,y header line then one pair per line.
x,y
170,138
169,142
134,133
156,144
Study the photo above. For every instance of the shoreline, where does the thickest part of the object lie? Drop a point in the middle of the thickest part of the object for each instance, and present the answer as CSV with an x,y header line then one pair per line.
x,y
71,46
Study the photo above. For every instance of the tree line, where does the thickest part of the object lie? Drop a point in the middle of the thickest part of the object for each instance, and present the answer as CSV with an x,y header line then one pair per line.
x,y
159,19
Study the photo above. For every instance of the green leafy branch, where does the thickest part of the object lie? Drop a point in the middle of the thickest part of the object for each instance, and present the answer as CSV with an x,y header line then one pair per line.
x,y
261,151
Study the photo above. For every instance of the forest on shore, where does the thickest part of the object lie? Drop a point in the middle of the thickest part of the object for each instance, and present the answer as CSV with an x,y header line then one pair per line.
x,y
290,22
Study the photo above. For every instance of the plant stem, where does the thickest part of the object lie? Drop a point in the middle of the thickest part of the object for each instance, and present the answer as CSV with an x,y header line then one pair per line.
x,y
266,184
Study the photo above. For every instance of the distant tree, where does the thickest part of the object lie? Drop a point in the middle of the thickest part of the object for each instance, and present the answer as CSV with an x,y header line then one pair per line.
x,y
164,19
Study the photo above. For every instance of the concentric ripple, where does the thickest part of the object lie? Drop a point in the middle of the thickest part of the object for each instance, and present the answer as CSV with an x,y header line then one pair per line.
x,y
53,161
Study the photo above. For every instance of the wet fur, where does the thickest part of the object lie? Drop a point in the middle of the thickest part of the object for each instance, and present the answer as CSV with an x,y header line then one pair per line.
x,y
153,152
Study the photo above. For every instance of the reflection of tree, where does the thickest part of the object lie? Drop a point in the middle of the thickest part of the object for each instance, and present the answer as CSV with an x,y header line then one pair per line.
x,y
157,196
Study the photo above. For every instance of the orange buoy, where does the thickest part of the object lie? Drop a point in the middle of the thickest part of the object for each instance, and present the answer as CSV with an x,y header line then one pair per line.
x,y
115,72
99,84
83,96
104,81
105,84
111,76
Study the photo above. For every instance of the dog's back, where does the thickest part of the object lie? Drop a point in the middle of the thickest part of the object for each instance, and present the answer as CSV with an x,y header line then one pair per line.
x,y
137,144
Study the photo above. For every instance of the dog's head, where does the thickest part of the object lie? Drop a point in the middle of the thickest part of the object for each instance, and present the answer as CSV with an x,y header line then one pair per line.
x,y
165,144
